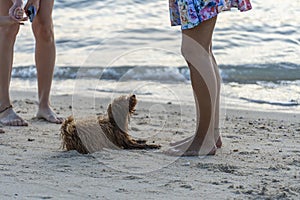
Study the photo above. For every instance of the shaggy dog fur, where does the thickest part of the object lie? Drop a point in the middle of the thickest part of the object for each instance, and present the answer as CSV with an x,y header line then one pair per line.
x,y
114,127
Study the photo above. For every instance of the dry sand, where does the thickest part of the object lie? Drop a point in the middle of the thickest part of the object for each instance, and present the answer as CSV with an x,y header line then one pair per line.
x,y
260,158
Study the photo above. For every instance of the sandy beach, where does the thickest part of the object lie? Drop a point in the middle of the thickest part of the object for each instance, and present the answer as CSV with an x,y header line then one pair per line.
x,y
260,158
107,48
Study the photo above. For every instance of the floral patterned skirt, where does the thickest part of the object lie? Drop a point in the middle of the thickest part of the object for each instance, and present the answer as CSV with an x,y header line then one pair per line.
x,y
190,13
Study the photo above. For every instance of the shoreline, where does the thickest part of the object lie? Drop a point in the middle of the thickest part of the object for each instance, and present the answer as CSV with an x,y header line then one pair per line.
x,y
264,97
259,159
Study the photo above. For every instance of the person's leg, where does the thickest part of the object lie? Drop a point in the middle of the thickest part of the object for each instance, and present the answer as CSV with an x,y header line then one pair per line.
x,y
42,27
7,40
217,133
196,50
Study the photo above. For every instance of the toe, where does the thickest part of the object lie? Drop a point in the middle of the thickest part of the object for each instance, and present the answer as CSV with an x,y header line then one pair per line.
x,y
51,119
21,122
54,119
10,123
60,120
17,122
24,123
10,118
49,115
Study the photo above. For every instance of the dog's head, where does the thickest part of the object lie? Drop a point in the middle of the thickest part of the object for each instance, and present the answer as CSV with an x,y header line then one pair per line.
x,y
120,110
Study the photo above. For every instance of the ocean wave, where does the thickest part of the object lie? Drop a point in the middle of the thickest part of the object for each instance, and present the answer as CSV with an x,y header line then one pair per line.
x,y
272,72
269,72
274,103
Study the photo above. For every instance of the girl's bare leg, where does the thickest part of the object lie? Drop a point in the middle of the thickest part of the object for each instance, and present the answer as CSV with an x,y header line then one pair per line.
x,y
217,133
196,50
42,27
7,40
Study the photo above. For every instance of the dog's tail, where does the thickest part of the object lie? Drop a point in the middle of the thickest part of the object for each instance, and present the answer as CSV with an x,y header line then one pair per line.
x,y
70,138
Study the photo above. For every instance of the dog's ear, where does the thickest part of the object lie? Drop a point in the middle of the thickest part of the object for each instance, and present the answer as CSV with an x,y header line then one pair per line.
x,y
109,112
132,103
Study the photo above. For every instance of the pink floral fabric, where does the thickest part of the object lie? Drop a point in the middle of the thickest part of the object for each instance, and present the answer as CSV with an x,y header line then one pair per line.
x,y
189,13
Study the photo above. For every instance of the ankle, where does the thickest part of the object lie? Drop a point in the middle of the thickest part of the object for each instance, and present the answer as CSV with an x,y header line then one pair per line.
x,y
4,106
44,105
3,110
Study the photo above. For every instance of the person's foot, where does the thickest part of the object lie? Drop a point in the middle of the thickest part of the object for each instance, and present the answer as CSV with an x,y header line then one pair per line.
x,y
8,117
184,148
181,152
2,131
49,115
218,142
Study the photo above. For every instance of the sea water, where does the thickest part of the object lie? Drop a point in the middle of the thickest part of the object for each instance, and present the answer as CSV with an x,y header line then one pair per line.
x,y
107,48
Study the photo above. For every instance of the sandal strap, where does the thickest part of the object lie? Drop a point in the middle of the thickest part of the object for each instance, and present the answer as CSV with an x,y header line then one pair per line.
x,y
6,108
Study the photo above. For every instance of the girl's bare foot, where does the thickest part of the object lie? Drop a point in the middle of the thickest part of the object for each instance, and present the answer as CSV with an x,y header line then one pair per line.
x,y
184,148
218,142
49,115
179,152
8,117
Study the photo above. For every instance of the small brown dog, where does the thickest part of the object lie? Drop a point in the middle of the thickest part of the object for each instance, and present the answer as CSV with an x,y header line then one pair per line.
x,y
111,131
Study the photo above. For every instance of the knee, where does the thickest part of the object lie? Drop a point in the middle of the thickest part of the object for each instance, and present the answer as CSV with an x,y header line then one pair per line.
x,y
191,49
43,31
9,32
189,52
